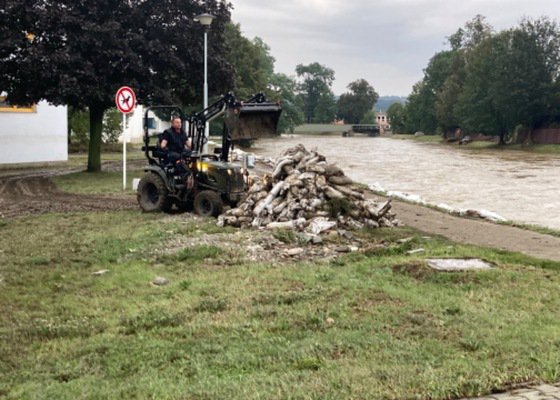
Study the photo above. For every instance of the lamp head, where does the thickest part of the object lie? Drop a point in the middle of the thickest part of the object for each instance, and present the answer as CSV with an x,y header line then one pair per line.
x,y
204,19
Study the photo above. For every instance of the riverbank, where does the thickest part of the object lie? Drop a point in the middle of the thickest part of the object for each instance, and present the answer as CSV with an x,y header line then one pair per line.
x,y
482,144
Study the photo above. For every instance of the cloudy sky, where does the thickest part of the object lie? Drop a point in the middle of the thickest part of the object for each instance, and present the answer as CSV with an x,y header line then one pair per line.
x,y
386,42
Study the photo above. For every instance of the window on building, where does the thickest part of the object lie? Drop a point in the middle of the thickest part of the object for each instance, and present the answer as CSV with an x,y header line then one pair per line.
x,y
7,107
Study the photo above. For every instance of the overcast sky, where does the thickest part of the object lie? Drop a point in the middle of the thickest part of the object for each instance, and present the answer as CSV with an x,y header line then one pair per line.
x,y
386,42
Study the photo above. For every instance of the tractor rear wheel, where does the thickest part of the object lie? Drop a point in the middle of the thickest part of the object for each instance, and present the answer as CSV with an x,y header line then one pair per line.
x,y
152,194
208,204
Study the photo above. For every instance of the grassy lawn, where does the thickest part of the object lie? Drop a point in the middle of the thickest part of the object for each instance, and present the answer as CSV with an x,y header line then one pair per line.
x,y
76,161
321,129
425,138
99,183
371,324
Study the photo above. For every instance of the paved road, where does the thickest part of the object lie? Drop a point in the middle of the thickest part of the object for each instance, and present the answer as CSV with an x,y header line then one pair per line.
x,y
541,392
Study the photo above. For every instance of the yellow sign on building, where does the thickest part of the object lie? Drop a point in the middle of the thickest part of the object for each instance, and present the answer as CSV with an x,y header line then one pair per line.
x,y
6,107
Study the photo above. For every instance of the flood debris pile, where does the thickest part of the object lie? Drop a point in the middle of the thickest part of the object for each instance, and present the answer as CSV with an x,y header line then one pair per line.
x,y
306,193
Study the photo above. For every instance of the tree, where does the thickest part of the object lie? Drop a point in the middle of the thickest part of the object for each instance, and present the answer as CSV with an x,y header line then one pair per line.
x,y
325,112
78,52
78,126
422,103
251,61
420,109
448,95
315,81
369,117
471,35
396,117
283,88
112,126
507,83
353,105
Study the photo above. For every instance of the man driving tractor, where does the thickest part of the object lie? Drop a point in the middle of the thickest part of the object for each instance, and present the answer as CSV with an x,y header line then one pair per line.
x,y
175,141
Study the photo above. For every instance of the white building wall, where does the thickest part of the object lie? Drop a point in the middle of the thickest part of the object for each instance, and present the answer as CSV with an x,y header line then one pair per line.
x,y
134,130
40,136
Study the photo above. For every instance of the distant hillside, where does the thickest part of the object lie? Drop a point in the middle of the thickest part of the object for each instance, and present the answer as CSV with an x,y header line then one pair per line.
x,y
385,102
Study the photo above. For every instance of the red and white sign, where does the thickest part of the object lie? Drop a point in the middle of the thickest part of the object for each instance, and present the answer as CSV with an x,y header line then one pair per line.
x,y
125,99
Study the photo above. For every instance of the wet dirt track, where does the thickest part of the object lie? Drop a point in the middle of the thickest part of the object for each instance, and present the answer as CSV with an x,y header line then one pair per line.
x,y
23,195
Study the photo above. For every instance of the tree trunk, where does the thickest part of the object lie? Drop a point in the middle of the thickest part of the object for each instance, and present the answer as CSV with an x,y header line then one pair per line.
x,y
95,130
502,137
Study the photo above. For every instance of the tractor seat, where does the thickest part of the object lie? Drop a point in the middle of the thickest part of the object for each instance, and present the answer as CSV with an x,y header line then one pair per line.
x,y
158,152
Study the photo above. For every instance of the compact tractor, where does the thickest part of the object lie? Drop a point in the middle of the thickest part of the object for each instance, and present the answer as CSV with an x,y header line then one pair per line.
x,y
212,180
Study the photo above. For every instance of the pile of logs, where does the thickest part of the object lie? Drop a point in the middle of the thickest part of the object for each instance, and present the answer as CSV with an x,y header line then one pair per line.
x,y
305,192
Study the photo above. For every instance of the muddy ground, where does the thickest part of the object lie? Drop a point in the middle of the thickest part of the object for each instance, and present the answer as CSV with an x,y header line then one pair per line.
x,y
34,192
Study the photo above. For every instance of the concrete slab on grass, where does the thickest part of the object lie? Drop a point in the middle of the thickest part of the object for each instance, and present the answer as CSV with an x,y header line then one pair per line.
x,y
455,264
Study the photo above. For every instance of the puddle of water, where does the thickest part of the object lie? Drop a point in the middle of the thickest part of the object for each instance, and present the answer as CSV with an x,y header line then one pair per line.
x,y
516,185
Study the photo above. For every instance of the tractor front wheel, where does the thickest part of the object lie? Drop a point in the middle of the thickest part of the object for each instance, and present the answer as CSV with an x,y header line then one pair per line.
x,y
152,194
208,204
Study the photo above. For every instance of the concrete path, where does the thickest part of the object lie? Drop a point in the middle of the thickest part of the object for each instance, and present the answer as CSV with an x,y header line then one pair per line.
x,y
475,231
540,392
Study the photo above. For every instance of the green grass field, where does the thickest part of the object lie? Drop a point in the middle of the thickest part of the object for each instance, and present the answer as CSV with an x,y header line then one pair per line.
x,y
371,324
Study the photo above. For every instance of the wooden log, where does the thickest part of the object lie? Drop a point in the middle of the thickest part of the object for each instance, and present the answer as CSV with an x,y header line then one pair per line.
x,y
332,193
271,196
340,180
384,209
315,168
281,225
349,192
333,169
281,164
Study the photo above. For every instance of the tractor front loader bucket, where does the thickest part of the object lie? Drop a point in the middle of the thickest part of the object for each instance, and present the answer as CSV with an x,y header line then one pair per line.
x,y
253,120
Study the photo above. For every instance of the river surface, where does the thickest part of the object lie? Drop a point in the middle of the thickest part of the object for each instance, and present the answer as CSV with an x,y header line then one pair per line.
x,y
518,186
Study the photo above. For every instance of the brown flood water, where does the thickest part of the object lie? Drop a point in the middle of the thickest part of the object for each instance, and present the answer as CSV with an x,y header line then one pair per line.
x,y
517,186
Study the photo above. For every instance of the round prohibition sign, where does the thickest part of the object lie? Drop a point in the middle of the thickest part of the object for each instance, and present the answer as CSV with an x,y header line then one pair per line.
x,y
125,99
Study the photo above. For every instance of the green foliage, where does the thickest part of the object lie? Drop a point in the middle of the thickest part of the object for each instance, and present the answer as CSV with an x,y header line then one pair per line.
x,y
251,61
78,126
314,87
283,88
396,117
287,236
369,117
507,76
325,111
337,207
112,125
91,48
490,82
420,109
353,105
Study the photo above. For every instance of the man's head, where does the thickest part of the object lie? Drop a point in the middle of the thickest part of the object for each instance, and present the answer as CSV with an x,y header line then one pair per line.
x,y
176,123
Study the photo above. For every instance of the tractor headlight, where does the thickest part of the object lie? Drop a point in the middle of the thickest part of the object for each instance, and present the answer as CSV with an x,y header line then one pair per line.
x,y
202,166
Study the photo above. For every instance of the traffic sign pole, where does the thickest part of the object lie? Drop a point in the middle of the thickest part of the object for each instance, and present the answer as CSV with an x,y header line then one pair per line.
x,y
125,99
124,150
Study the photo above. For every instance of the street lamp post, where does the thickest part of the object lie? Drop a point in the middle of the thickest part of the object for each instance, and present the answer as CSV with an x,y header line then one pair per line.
x,y
205,20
